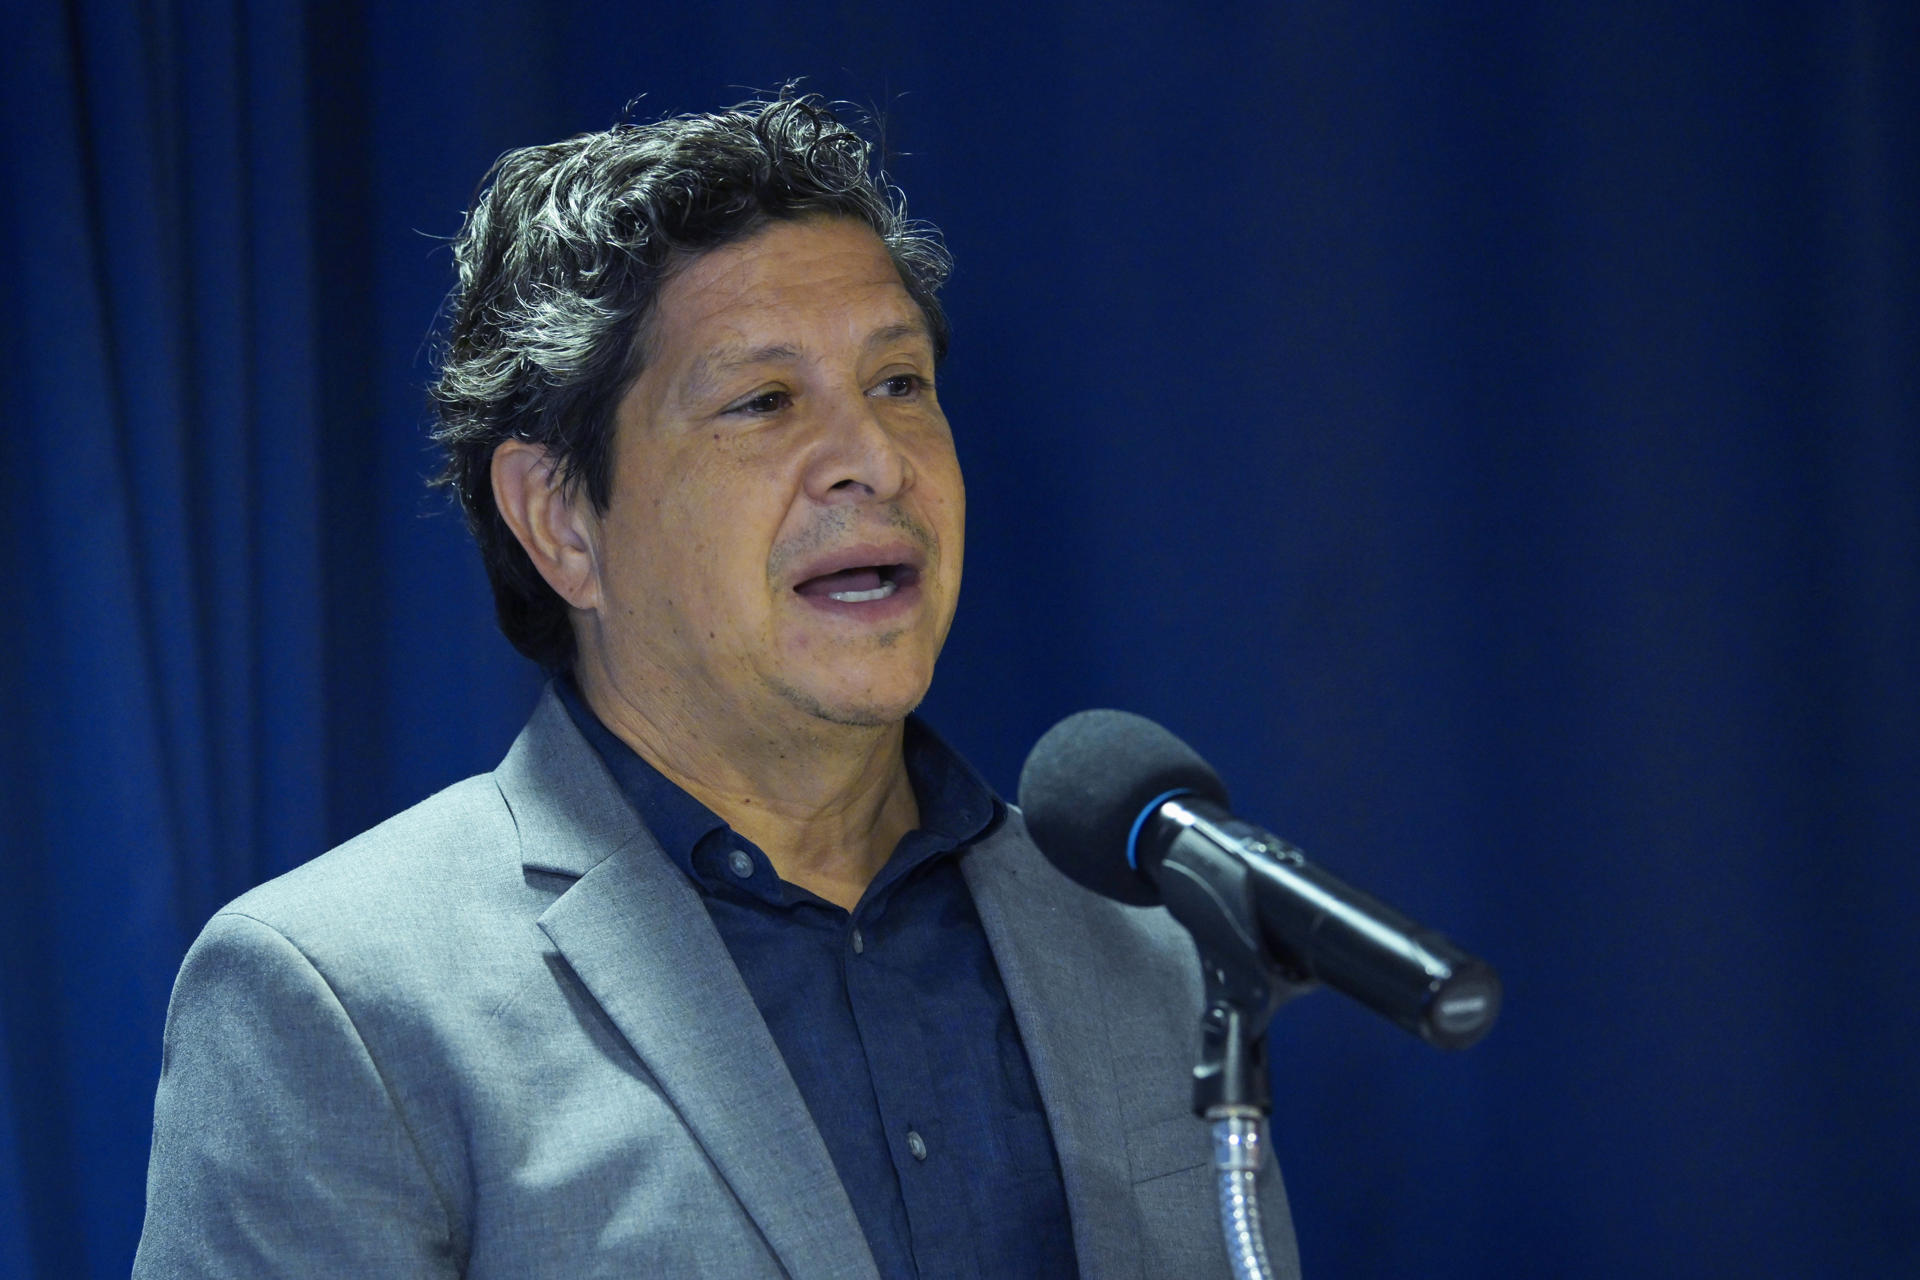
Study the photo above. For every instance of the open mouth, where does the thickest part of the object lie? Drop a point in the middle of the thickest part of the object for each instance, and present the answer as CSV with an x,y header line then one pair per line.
x,y
860,584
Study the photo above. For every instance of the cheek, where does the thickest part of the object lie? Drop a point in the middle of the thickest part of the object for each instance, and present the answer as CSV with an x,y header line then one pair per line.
x,y
946,496
720,524
662,550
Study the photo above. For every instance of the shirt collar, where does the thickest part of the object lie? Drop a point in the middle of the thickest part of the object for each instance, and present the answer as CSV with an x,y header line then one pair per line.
x,y
957,806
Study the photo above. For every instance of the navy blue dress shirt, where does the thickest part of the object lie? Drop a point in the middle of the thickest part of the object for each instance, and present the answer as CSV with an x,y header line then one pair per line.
x,y
892,1019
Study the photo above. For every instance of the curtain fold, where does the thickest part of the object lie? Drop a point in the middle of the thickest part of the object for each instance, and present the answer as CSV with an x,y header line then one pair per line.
x,y
165,636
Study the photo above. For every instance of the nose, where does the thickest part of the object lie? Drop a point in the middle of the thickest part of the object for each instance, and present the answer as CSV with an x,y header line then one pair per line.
x,y
856,458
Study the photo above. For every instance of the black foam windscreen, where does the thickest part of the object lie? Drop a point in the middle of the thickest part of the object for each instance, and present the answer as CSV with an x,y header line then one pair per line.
x,y
1086,783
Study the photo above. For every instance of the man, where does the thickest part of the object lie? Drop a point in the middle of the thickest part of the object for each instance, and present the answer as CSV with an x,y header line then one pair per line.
x,y
732,968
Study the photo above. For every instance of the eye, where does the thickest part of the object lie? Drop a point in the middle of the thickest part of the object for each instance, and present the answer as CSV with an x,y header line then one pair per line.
x,y
900,386
761,404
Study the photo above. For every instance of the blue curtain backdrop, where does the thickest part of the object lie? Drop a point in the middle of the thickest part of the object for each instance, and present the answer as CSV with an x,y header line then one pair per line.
x,y
1490,433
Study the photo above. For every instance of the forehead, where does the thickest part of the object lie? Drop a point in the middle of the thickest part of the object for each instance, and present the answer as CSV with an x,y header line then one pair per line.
x,y
797,283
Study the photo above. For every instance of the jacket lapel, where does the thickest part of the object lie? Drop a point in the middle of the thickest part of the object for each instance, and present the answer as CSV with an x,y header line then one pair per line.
x,y
1037,926
638,936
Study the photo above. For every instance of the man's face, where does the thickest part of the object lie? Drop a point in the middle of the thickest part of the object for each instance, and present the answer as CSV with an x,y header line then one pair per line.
x,y
784,533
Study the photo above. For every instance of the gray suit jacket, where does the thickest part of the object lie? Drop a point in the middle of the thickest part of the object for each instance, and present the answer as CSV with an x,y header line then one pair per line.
x,y
499,1036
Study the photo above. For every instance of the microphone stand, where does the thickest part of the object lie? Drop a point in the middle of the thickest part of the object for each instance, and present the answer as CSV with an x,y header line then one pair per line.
x,y
1230,1086
1230,1090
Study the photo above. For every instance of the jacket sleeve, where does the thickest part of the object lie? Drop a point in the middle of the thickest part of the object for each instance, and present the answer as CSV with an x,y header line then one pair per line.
x,y
277,1147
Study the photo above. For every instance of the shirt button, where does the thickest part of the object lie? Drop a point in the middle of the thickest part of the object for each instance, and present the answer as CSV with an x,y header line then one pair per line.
x,y
917,1145
859,943
742,863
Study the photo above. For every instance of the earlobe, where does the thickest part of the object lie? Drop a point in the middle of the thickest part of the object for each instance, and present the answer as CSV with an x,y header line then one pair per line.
x,y
551,520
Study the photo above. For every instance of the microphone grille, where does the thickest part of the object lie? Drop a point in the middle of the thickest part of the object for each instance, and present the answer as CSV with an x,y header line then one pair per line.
x,y
1086,783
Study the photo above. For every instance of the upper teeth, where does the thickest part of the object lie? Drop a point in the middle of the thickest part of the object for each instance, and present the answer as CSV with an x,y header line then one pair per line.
x,y
880,592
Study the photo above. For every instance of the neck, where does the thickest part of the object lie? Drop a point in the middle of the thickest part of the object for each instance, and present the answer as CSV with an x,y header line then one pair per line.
x,y
826,802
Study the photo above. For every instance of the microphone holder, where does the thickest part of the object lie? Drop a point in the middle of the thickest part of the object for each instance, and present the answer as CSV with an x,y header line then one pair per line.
x,y
1230,1086
1231,1091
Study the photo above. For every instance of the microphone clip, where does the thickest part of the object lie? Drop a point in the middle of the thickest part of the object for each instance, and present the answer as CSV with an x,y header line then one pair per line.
x,y
1244,985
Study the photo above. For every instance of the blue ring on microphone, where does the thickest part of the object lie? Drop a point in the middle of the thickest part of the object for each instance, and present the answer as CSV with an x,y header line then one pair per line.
x,y
1153,806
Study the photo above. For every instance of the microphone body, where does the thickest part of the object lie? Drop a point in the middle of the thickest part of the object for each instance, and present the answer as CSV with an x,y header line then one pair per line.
x,y
1127,809
1317,928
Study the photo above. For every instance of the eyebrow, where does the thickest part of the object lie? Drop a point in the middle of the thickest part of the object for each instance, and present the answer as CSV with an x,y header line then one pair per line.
x,y
709,368
916,328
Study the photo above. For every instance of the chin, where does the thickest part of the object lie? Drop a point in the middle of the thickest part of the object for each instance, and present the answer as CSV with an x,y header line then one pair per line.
x,y
859,717
866,709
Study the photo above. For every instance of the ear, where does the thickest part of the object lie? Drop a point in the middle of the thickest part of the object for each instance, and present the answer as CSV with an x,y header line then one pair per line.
x,y
553,521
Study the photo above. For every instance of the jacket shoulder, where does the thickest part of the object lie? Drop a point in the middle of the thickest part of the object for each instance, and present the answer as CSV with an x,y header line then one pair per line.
x,y
444,850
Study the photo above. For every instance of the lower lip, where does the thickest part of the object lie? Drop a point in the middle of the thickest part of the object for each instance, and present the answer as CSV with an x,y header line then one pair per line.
x,y
904,600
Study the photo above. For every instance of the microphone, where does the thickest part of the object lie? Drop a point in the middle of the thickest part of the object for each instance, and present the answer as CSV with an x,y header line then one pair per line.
x,y
1125,808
